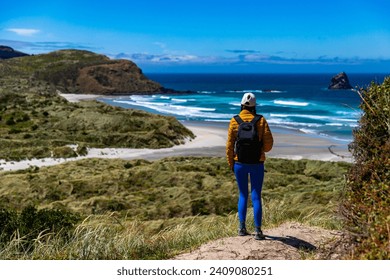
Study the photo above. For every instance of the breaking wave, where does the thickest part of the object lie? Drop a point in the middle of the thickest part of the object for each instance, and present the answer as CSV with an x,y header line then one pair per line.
x,y
291,103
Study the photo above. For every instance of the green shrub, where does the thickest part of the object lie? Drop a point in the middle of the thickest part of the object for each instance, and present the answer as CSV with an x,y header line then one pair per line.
x,y
31,223
200,207
8,224
367,199
10,121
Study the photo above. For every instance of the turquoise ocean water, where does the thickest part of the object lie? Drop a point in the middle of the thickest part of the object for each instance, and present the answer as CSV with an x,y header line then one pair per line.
x,y
296,102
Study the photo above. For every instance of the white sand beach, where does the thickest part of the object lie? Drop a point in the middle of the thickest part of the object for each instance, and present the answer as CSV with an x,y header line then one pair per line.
x,y
210,141
76,97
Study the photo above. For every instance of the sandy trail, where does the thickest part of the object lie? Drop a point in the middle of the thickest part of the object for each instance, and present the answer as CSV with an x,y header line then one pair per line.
x,y
289,241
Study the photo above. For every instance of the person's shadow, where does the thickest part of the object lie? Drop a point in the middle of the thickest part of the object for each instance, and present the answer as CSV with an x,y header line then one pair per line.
x,y
294,242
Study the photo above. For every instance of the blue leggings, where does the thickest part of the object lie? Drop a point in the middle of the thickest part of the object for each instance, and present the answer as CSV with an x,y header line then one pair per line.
x,y
256,174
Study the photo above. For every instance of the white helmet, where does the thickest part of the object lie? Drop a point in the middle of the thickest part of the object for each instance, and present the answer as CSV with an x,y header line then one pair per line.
x,y
249,99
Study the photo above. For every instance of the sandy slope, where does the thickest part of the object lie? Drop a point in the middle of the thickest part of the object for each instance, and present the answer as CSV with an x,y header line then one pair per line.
x,y
289,241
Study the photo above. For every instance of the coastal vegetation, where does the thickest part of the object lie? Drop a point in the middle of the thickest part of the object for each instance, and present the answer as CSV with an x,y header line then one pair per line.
x,y
367,195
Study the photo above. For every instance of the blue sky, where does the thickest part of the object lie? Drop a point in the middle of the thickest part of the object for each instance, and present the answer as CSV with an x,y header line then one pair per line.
x,y
209,36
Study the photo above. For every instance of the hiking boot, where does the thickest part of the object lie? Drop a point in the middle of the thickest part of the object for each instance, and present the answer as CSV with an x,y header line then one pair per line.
x,y
242,232
259,234
242,229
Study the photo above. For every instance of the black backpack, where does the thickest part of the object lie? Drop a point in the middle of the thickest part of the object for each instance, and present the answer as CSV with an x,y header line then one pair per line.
x,y
247,146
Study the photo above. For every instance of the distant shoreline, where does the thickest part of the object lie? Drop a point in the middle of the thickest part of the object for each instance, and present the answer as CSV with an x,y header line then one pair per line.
x,y
289,144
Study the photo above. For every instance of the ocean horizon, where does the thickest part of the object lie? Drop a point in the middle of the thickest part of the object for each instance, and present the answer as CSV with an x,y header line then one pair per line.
x,y
294,102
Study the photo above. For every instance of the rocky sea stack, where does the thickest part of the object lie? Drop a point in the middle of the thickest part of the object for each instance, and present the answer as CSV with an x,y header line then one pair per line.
x,y
340,81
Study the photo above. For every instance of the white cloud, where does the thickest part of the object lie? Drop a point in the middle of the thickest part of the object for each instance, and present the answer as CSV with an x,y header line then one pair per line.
x,y
157,58
161,45
24,31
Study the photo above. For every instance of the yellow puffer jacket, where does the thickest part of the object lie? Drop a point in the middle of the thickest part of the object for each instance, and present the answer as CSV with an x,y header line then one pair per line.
x,y
264,132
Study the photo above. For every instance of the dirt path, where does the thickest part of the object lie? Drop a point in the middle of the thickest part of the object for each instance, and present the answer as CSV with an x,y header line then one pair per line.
x,y
289,241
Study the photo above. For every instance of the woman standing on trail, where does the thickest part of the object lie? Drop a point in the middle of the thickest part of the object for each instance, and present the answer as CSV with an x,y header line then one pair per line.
x,y
249,137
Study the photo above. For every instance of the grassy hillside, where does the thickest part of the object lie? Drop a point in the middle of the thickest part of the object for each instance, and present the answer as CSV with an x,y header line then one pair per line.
x,y
35,122
42,64
139,209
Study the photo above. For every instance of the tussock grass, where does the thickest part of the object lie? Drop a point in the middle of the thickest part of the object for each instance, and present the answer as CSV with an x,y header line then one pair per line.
x,y
102,237
106,238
